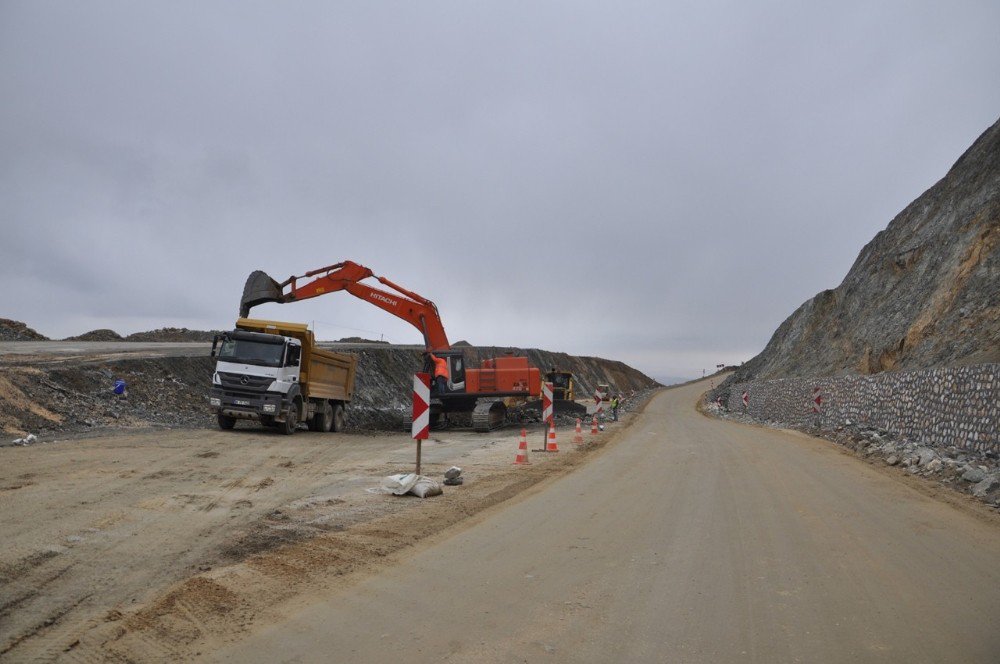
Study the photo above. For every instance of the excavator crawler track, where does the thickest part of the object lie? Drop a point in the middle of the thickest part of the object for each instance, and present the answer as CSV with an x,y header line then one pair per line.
x,y
489,414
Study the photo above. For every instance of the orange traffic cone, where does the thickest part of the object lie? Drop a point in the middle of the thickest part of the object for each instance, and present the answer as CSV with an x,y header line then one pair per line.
x,y
593,426
551,445
578,438
522,450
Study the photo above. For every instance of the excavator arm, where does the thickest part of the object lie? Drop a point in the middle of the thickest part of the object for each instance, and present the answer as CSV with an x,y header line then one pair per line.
x,y
418,311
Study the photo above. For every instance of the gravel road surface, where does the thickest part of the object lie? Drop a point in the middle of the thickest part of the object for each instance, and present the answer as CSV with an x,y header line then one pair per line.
x,y
690,540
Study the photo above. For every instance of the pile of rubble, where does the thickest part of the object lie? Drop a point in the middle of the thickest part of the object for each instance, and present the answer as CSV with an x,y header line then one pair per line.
x,y
97,335
969,472
174,334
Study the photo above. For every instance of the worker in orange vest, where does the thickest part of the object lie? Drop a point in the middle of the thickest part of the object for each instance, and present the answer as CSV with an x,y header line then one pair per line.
x,y
440,373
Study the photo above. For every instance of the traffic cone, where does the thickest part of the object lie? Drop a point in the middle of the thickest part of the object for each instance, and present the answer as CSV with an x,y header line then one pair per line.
x,y
593,426
522,450
578,438
551,445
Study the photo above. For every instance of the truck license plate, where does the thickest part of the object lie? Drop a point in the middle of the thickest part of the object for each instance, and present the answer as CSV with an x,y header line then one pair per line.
x,y
241,402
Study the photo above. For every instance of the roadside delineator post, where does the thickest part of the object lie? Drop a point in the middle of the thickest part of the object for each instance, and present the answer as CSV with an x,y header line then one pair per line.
x,y
593,426
548,411
551,446
420,429
578,438
522,450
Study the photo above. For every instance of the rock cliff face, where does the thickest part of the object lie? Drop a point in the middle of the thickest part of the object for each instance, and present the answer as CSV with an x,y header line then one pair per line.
x,y
924,293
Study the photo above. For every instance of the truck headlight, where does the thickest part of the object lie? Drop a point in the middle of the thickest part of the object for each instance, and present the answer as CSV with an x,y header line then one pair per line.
x,y
269,408
215,401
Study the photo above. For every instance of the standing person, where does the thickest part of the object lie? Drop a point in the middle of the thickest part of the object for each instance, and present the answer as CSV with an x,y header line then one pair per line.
x,y
614,408
440,373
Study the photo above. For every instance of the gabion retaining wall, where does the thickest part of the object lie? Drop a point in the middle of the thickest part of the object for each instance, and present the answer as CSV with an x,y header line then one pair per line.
x,y
936,407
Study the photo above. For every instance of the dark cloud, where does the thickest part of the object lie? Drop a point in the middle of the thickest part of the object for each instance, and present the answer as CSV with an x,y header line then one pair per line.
x,y
660,183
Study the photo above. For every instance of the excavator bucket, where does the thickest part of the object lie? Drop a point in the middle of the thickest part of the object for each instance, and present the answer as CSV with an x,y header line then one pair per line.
x,y
259,288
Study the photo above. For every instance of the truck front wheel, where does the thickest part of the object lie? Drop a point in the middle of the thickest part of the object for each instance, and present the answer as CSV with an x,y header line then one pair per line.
x,y
291,420
226,422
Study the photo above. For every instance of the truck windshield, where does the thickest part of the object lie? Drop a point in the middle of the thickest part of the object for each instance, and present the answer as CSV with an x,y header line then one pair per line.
x,y
251,352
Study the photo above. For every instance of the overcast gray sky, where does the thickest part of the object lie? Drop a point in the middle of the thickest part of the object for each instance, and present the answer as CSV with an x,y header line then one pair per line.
x,y
657,182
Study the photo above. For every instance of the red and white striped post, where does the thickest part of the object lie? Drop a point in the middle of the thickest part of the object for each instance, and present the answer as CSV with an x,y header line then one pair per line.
x,y
421,428
746,400
547,410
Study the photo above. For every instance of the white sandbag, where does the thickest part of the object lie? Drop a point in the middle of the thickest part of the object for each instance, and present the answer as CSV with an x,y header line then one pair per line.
x,y
426,487
400,484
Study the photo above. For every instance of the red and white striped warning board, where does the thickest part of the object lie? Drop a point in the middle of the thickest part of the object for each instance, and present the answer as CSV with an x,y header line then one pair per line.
x,y
421,406
547,402
817,400
746,398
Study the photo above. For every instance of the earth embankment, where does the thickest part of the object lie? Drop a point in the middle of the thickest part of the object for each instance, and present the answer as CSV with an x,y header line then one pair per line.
x,y
50,388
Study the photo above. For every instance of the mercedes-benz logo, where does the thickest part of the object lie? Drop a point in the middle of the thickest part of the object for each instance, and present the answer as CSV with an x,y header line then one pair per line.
x,y
244,380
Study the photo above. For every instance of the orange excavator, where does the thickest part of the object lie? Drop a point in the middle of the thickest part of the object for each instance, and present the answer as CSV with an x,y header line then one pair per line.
x,y
480,391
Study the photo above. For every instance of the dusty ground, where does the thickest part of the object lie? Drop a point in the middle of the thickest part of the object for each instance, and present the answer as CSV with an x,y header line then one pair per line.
x,y
113,546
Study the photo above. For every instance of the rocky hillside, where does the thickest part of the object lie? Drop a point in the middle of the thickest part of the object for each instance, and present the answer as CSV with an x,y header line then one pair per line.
x,y
924,293
15,330
103,334
385,376
175,334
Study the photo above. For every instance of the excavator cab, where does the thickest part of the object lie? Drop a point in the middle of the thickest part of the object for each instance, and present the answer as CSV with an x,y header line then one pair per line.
x,y
456,368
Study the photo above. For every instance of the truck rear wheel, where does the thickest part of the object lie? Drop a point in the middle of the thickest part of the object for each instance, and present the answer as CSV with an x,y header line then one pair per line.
x,y
322,419
291,420
339,417
226,422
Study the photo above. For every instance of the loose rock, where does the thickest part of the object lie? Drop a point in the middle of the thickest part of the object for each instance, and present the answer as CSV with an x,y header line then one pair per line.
x,y
982,489
974,474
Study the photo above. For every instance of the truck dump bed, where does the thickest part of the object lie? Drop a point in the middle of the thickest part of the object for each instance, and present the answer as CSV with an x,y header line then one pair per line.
x,y
329,375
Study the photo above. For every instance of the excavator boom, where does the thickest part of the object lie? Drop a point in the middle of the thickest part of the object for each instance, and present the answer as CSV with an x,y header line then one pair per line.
x,y
347,276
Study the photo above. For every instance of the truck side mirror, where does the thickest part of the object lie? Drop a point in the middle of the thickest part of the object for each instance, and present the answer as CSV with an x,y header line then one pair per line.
x,y
215,343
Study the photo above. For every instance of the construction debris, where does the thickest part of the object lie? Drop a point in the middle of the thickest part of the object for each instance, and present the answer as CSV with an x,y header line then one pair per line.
x,y
453,476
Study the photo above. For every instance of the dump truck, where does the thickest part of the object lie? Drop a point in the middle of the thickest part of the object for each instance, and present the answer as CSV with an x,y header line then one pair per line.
x,y
274,373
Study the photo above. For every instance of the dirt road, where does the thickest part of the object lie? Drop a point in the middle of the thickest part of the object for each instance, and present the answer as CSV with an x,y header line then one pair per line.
x,y
690,540
107,538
